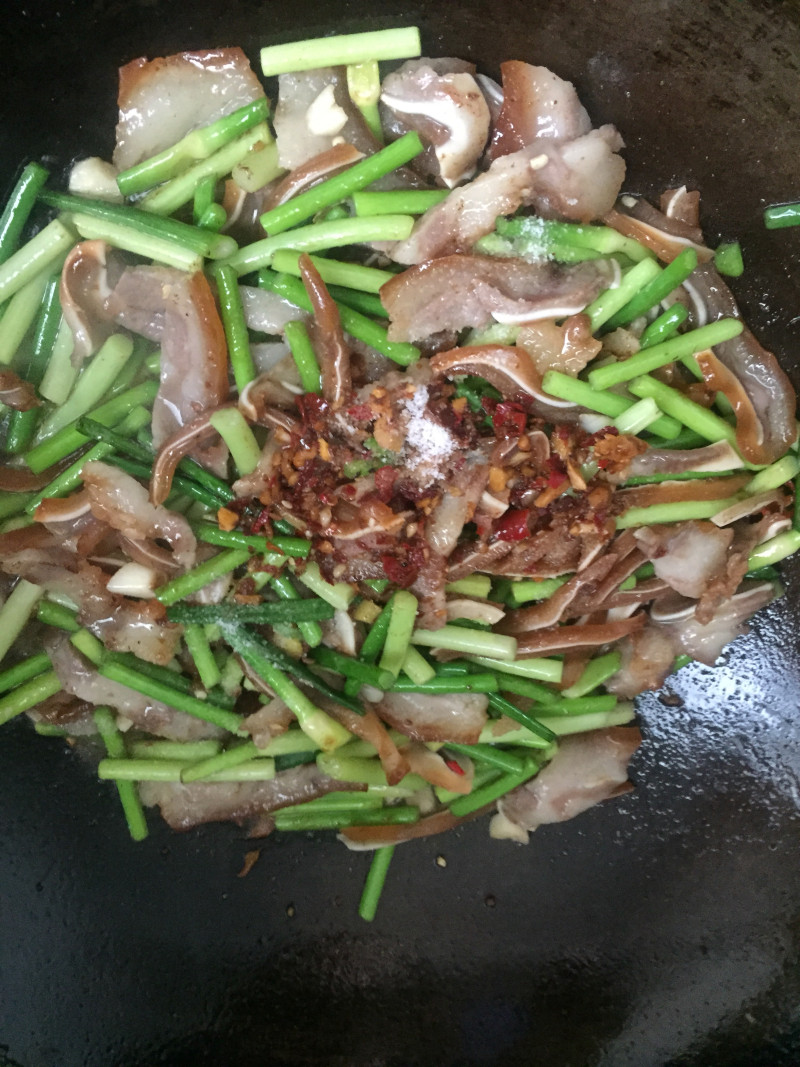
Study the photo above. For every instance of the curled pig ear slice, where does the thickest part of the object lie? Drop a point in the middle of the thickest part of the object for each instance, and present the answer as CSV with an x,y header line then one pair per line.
x,y
507,368
536,104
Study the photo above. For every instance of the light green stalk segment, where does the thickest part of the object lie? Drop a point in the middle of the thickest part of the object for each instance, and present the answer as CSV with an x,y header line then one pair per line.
x,y
417,667
611,404
364,87
38,255
187,751
94,381
304,356
471,642
164,770
221,761
685,344
199,649
774,476
399,634
180,190
676,512
398,201
774,550
28,695
258,168
545,670
60,374
334,271
19,315
692,415
16,611
129,798
322,235
375,881
639,417
195,146
597,671
234,430
340,595
160,249
477,585
610,301
201,575
341,50
527,589
562,725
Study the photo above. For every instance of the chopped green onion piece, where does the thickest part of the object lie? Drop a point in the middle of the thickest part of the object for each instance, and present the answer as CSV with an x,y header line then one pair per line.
x,y
311,630
234,430
562,725
728,259
686,344
399,632
467,683
664,327
201,575
258,167
672,512
509,709
160,249
233,321
335,272
639,417
376,879
365,673
774,550
488,794
489,754
656,290
341,50
477,585
164,770
28,695
19,314
39,254
579,392
610,301
339,595
597,671
19,206
472,642
24,671
129,798
774,476
16,611
231,757
199,649
304,356
186,751
693,416
416,667
398,201
544,670
782,215
364,87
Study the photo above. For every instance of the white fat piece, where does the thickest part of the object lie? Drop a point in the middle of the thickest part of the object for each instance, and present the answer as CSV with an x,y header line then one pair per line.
x,y
94,177
324,117
133,579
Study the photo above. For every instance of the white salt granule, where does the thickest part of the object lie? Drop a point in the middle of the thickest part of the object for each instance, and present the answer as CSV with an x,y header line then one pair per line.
x,y
427,442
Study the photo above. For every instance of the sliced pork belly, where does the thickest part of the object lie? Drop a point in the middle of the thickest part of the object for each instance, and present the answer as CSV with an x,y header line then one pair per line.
x,y
455,291
161,100
536,104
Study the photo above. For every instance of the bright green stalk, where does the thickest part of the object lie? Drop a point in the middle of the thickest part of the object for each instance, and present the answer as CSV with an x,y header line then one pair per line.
x,y
543,235
364,87
258,168
180,190
524,718
353,322
341,50
525,590
489,754
93,382
304,356
470,642
28,695
398,201
235,431
160,249
19,315
545,670
519,735
416,667
164,770
781,215
231,757
664,327
185,751
233,320
597,671
339,594
129,798
319,236
610,301
686,344
59,615
199,649
195,146
728,259
201,575
293,741
274,548
60,375
120,218
311,632
320,727
357,300
16,611
289,820
488,794
450,683
579,392
477,585
376,879
675,512
19,206
38,255
398,635
639,417
24,671
621,715
693,416
365,673
335,272
656,290
331,191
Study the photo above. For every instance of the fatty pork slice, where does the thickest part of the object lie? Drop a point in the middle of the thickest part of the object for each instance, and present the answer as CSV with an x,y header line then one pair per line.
x,y
314,113
161,100
457,717
536,104
448,110
120,501
586,769
178,311
578,180
455,291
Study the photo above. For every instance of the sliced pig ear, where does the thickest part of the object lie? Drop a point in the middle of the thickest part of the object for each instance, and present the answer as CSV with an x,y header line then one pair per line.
x,y
507,368
161,100
85,289
450,113
536,104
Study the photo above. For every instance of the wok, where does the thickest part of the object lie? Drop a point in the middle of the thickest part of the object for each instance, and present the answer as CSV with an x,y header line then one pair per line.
x,y
661,929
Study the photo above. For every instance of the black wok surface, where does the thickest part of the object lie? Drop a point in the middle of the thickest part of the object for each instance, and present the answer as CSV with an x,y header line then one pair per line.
x,y
662,930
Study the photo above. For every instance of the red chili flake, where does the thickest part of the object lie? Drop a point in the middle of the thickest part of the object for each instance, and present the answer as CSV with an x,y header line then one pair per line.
x,y
348,491
261,521
555,479
513,526
455,767
312,407
401,572
509,420
361,413
385,478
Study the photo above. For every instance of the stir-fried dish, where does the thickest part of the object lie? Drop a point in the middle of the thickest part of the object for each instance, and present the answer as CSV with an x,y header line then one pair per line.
x,y
368,453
